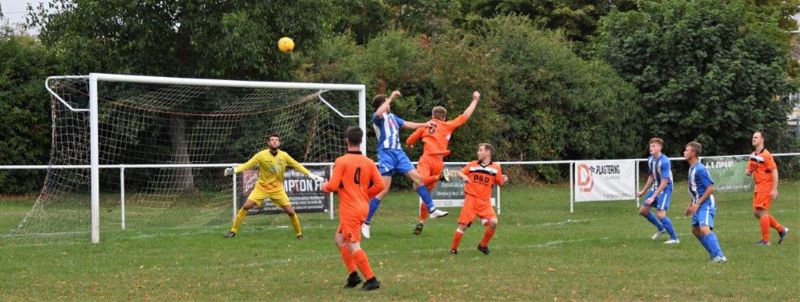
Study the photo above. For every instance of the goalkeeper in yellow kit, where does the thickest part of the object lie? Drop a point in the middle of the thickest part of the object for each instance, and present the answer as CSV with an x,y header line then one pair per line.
x,y
272,165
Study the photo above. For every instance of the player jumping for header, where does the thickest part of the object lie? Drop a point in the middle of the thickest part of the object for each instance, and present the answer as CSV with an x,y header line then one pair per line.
x,y
435,140
392,158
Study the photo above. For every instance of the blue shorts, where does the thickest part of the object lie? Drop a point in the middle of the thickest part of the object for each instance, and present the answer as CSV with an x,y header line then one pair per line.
x,y
662,201
393,160
704,217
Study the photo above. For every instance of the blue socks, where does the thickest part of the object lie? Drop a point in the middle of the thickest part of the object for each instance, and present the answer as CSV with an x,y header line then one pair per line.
x,y
654,220
711,244
668,225
373,207
423,193
704,242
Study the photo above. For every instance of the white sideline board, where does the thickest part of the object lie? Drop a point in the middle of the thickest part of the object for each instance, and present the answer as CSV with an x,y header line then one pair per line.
x,y
604,180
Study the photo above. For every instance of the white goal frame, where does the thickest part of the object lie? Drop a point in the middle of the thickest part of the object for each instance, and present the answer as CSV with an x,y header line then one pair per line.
x,y
95,78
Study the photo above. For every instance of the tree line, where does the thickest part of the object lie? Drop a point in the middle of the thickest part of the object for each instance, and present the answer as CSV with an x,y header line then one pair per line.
x,y
559,79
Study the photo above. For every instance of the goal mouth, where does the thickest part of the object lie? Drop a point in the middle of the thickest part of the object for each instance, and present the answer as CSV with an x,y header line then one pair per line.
x,y
163,143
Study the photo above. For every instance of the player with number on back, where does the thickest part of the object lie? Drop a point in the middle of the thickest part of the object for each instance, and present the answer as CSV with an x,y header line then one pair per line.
x,y
392,158
436,140
479,177
352,175
271,165
702,207
659,172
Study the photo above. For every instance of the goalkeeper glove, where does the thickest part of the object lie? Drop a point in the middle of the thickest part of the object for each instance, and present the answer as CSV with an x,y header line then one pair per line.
x,y
228,171
316,177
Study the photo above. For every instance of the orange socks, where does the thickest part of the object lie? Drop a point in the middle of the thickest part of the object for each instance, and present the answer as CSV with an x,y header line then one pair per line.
x,y
768,221
775,224
487,236
764,221
456,239
347,258
362,262
423,212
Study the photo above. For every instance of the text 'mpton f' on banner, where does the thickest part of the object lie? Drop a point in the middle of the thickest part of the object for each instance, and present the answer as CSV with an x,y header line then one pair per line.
x,y
601,180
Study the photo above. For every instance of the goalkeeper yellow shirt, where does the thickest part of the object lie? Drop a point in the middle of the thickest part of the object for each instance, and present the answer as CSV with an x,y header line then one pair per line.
x,y
271,169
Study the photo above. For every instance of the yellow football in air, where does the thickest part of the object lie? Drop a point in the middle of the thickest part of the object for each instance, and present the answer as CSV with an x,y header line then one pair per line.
x,y
286,44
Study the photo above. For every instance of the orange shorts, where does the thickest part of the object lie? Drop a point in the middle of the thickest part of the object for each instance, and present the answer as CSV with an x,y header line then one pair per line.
x,y
475,207
761,200
430,166
350,226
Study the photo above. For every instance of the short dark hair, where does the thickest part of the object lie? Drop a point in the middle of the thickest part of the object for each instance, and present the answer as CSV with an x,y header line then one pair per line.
x,y
696,147
354,135
273,135
657,140
487,146
378,100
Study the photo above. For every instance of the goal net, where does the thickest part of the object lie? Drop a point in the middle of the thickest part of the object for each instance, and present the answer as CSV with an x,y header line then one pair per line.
x,y
163,143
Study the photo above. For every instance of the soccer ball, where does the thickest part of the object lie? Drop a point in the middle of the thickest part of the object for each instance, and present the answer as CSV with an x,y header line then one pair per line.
x,y
285,44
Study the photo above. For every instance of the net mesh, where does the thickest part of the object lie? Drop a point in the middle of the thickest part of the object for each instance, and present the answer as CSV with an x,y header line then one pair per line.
x,y
172,124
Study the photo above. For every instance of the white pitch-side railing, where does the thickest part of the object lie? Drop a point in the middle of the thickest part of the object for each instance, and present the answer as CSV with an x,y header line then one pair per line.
x,y
122,168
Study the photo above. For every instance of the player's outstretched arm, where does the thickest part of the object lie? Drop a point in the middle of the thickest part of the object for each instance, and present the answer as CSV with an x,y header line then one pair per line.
x,y
476,96
385,106
413,125
253,162
291,162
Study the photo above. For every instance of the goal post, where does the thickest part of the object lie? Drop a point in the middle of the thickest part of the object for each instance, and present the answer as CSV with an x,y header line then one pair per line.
x,y
182,97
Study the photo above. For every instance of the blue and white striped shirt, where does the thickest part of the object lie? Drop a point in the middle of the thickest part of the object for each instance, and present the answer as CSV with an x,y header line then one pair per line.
x,y
699,181
387,126
661,170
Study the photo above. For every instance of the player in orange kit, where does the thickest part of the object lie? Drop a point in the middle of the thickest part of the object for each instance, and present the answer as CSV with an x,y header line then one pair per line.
x,y
436,139
765,173
357,179
479,177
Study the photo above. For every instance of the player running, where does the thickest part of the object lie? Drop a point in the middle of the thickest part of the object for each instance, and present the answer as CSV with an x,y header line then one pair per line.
x,y
660,194
272,165
702,207
479,177
765,173
352,175
392,158
436,139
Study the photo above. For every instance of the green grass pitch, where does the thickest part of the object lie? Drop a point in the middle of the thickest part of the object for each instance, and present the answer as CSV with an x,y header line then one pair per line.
x,y
540,252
